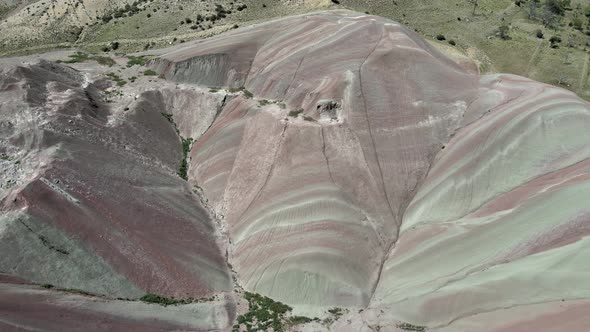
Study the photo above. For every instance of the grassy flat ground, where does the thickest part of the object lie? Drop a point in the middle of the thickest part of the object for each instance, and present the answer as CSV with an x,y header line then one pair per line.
x,y
147,24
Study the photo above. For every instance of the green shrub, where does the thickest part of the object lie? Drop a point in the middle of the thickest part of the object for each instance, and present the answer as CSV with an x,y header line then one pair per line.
x,y
186,148
265,313
247,93
149,72
555,40
168,117
135,60
77,57
411,327
296,320
153,298
295,113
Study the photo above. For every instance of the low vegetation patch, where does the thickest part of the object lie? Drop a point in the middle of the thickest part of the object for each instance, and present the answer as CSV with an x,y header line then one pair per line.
x,y
187,144
67,290
77,57
411,327
116,78
335,313
170,119
136,60
247,93
265,313
108,95
297,320
149,72
165,301
82,57
295,113
186,148
105,61
243,89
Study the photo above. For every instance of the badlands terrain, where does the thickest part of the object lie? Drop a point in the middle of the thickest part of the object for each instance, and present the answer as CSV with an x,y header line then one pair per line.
x,y
546,40
330,171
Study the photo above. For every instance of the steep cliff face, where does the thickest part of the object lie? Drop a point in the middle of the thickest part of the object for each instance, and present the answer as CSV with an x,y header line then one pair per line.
x,y
339,161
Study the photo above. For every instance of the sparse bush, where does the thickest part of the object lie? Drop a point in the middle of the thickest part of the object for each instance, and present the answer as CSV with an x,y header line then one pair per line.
x,y
247,93
264,313
440,37
153,298
578,23
296,320
295,113
452,42
77,57
149,72
539,33
411,327
186,148
135,60
105,61
555,40
169,117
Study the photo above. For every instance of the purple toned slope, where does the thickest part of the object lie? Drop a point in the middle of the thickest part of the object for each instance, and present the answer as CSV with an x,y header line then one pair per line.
x,y
98,206
30,308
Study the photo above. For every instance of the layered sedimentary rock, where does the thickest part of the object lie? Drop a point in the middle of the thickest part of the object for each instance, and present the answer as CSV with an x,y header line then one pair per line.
x,y
97,205
377,103
346,161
